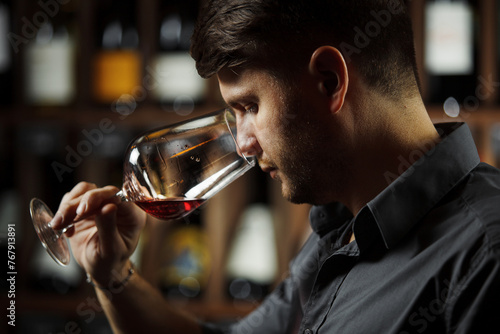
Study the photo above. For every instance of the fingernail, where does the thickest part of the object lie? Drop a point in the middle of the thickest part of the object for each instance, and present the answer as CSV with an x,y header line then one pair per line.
x,y
56,221
81,209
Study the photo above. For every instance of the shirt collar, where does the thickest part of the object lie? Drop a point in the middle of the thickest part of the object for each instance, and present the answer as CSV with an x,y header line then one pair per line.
x,y
415,192
393,212
325,218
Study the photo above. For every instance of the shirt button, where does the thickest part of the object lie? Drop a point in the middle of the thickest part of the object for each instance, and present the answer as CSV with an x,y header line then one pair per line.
x,y
308,331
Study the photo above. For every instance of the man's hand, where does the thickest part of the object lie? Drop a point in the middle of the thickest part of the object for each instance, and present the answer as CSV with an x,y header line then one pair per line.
x,y
105,230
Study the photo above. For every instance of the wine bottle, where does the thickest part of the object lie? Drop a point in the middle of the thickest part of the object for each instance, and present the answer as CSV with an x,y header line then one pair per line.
x,y
6,59
179,87
252,265
117,64
50,62
450,51
185,260
10,202
41,145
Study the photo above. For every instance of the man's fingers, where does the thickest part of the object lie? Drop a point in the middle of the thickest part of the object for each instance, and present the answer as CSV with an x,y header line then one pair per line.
x,y
78,190
106,229
83,201
63,216
93,200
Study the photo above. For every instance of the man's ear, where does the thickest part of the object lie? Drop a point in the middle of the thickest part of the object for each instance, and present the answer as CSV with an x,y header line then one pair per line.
x,y
329,68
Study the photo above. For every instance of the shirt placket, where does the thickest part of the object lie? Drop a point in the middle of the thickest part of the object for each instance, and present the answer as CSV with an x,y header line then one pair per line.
x,y
333,270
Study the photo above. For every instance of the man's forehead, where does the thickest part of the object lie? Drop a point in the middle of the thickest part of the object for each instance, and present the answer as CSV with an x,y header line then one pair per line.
x,y
232,74
237,83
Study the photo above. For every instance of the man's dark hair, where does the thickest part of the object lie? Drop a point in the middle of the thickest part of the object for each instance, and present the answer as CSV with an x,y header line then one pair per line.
x,y
281,35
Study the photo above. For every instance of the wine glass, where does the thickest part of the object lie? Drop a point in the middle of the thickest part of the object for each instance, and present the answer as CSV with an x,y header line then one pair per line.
x,y
168,172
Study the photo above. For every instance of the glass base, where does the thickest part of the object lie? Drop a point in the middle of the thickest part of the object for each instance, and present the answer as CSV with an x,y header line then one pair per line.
x,y
52,240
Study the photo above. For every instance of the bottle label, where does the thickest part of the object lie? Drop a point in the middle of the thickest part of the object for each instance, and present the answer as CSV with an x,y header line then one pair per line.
x,y
176,76
4,42
116,73
449,38
50,77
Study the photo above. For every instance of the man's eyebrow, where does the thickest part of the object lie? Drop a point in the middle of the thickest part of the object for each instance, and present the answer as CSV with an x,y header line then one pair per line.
x,y
240,98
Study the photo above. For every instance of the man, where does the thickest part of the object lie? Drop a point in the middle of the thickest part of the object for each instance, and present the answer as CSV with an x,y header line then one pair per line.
x,y
406,222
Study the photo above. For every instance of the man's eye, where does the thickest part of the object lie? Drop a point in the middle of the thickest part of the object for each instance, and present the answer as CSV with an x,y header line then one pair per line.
x,y
251,109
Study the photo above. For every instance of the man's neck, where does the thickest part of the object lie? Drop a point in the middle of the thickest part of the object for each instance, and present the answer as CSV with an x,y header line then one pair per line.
x,y
396,142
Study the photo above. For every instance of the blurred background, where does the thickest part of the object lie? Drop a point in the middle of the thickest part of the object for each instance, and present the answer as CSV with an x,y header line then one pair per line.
x,y
80,78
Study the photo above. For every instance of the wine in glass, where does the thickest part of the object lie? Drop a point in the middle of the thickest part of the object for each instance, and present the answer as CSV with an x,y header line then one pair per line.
x,y
168,172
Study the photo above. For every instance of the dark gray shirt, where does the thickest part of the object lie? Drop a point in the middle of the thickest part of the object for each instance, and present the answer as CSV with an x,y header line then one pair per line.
x,y
426,258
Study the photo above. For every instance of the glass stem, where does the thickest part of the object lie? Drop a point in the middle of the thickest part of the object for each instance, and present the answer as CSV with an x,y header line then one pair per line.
x,y
64,230
122,196
60,232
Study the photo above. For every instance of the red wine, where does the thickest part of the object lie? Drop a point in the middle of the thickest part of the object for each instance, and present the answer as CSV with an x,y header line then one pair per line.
x,y
173,208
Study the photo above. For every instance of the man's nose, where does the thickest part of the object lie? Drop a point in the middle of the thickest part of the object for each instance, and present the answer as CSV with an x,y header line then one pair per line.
x,y
245,136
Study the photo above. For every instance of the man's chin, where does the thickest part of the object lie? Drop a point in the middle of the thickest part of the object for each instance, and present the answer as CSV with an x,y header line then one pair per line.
x,y
293,195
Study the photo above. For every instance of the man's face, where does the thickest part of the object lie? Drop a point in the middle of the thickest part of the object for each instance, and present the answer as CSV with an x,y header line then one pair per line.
x,y
286,129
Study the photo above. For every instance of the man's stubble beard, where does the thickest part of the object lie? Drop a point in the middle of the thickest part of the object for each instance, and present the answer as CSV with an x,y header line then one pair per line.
x,y
310,173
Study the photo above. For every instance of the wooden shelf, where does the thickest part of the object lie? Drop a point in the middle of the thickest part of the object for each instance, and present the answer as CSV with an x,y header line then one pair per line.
x,y
144,116
68,305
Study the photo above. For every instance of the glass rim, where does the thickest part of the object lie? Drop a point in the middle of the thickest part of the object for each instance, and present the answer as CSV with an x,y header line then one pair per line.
x,y
238,149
